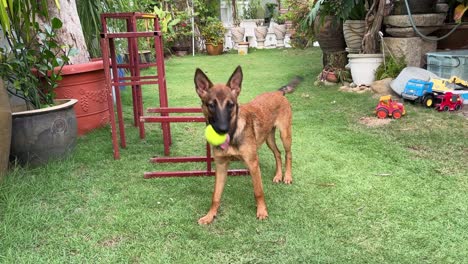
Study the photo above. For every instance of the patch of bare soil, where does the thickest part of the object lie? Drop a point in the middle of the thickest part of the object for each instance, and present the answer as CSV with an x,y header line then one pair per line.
x,y
374,121
114,241
357,89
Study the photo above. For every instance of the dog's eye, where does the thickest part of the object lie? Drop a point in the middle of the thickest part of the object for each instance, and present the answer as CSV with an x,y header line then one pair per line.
x,y
230,105
211,105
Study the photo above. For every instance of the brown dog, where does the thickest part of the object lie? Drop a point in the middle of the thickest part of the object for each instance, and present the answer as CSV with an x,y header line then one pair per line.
x,y
248,126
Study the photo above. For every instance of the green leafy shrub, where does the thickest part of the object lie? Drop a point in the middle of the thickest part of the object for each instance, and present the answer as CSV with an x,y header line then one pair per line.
x,y
391,68
31,68
213,31
302,34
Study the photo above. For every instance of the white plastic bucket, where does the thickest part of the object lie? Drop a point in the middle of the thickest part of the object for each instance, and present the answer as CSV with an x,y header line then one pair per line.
x,y
363,67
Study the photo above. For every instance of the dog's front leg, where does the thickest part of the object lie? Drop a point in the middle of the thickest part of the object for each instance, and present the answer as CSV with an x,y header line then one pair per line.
x,y
220,180
254,169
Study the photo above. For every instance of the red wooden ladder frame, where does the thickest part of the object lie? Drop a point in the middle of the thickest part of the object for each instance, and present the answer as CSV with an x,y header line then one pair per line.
x,y
135,80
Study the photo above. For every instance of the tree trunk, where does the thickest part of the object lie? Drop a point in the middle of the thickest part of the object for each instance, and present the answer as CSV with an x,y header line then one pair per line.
x,y
335,59
374,18
234,11
71,33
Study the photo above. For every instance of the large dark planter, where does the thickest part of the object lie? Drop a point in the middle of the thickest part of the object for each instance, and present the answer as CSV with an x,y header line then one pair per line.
x,y
456,40
44,134
416,7
329,34
180,50
182,46
5,129
87,83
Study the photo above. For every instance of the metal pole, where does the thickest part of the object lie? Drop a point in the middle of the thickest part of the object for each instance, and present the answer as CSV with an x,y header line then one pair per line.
x,y
192,20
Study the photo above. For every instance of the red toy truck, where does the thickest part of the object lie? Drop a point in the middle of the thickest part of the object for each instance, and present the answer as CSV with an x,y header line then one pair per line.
x,y
388,107
449,102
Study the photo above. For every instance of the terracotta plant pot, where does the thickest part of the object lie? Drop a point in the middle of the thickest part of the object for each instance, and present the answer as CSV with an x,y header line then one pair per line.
x,y
214,50
5,130
329,75
86,82
44,134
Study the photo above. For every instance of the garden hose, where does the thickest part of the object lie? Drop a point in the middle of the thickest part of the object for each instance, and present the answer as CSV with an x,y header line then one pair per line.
x,y
421,34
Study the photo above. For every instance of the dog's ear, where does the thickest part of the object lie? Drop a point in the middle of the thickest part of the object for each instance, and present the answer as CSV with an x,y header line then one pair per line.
x,y
235,82
202,83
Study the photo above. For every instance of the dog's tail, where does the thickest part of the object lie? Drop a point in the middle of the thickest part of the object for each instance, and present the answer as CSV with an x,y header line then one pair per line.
x,y
291,86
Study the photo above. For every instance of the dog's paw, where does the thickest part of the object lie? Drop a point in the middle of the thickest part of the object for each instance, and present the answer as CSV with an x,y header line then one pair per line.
x,y
262,214
277,179
206,220
287,180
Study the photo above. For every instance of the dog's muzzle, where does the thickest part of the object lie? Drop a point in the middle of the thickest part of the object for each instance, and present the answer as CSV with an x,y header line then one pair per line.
x,y
221,121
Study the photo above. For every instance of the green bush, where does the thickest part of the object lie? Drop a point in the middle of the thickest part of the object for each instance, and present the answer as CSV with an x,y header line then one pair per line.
x,y
391,68
213,31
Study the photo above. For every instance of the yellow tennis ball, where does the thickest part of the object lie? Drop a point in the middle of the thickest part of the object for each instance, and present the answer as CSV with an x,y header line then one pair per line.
x,y
214,138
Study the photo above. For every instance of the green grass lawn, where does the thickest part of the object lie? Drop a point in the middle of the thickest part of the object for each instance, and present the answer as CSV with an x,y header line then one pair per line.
x,y
395,193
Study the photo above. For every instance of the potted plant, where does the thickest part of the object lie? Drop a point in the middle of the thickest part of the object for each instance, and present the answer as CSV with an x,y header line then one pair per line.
x,y
212,31
82,78
364,65
334,75
176,30
182,39
31,67
329,74
326,18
